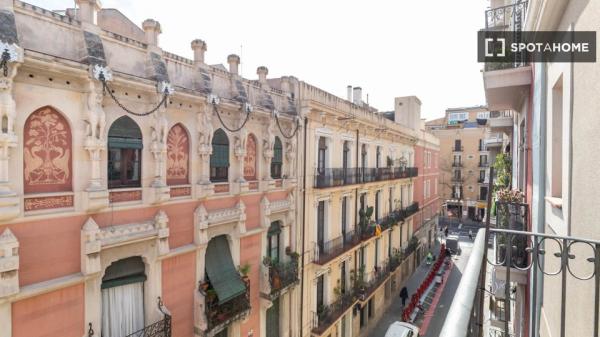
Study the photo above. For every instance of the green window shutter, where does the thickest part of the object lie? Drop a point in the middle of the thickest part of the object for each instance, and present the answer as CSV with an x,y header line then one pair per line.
x,y
220,150
125,271
223,275
277,152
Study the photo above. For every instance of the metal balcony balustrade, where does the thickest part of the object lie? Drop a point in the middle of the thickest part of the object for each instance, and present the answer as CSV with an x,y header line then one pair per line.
x,y
161,328
335,247
332,177
484,164
329,314
546,256
458,148
456,179
507,18
501,114
282,275
228,312
376,278
481,180
457,164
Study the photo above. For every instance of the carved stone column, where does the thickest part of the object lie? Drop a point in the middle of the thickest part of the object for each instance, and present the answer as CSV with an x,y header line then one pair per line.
x,y
95,144
9,201
205,134
9,278
268,145
158,148
240,154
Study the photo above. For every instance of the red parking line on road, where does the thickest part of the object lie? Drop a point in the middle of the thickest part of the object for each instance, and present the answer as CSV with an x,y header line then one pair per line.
x,y
436,299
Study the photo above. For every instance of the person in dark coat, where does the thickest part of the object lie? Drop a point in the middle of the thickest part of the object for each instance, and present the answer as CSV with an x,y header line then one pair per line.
x,y
404,295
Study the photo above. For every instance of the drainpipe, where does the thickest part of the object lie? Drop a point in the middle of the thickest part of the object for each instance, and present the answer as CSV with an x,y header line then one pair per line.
x,y
303,228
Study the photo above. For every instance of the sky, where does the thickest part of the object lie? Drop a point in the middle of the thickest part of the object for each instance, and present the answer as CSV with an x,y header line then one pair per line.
x,y
389,48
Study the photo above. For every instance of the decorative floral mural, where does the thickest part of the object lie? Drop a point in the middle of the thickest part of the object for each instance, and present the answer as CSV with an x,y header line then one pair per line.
x,y
178,145
250,159
47,152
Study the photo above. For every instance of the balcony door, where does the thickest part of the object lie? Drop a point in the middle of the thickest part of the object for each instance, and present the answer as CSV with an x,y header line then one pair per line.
x,y
273,239
123,297
344,218
320,293
322,155
321,226
273,319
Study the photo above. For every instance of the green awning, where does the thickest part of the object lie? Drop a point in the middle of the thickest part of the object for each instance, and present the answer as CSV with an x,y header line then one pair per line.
x,y
125,271
224,277
124,143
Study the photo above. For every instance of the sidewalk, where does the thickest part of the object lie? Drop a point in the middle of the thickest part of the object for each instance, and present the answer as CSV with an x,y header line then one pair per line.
x,y
394,311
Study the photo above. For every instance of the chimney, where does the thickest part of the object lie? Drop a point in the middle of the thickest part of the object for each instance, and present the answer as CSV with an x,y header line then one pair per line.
x,y
285,84
262,72
88,10
358,96
199,48
349,92
234,63
152,29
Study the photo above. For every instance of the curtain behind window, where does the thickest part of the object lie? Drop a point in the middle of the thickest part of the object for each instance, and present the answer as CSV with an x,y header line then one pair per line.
x,y
122,310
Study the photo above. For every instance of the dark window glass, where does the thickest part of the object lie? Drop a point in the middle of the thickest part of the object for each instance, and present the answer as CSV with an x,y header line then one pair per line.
x,y
343,278
321,225
219,159
273,239
346,155
344,217
124,154
277,161
321,155
378,161
320,292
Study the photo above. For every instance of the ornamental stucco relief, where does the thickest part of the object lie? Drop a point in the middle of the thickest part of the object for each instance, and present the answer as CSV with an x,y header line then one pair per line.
x,y
250,159
178,145
47,152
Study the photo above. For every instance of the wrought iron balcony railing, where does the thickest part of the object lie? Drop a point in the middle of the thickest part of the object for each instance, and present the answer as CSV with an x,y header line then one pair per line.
x,y
282,275
457,164
509,18
546,257
332,177
376,279
161,328
226,313
458,148
329,314
506,18
329,250
457,179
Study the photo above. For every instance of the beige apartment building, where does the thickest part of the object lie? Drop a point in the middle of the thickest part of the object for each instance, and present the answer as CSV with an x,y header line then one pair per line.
x,y
467,148
355,158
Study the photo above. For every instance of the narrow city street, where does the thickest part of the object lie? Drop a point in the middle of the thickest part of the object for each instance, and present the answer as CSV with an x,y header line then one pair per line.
x,y
439,312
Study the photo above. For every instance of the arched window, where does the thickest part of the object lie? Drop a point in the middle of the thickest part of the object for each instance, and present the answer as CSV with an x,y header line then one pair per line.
x,y
273,241
219,159
47,154
123,297
124,154
250,158
178,146
277,160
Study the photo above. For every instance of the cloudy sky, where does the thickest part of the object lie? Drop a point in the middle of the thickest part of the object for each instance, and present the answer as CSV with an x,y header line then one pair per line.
x,y
389,48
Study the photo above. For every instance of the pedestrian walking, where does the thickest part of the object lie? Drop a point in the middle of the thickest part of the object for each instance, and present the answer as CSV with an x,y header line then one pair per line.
x,y
404,295
470,235
446,231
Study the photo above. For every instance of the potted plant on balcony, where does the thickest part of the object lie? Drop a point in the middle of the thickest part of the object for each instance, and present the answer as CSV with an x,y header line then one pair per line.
x,y
358,282
365,221
244,270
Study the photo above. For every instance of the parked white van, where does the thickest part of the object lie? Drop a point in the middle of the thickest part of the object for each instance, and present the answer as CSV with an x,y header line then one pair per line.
x,y
402,329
